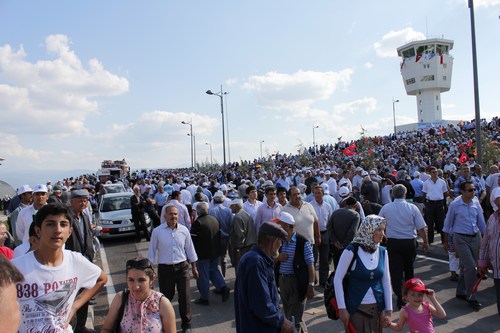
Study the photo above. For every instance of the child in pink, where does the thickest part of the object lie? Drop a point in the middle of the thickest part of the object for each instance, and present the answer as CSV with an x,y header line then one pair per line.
x,y
417,313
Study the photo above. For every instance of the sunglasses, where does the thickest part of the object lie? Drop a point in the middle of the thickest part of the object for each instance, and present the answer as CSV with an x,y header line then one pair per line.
x,y
470,190
141,264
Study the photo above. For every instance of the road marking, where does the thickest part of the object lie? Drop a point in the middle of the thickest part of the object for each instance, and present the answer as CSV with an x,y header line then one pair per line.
x,y
110,286
433,259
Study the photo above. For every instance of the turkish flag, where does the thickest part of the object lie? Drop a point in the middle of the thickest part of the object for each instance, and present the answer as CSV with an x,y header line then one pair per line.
x,y
469,144
463,158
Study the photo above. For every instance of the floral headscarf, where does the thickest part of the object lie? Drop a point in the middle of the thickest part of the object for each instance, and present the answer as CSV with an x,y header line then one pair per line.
x,y
364,235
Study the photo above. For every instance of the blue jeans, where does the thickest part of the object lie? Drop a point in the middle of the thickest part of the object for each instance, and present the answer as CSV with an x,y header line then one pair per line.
x,y
209,270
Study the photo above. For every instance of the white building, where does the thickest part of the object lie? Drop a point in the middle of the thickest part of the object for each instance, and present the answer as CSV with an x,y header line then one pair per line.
x,y
426,68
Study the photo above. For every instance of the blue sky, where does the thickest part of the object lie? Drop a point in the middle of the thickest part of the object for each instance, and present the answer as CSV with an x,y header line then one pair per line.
x,y
84,81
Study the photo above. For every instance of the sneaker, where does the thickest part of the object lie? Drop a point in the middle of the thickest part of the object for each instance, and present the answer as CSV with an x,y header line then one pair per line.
x,y
475,305
461,297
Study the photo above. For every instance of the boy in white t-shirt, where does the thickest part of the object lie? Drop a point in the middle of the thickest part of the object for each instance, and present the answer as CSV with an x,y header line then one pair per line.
x,y
53,276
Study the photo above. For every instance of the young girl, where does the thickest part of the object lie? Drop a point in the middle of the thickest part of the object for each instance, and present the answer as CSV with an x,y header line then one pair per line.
x,y
417,313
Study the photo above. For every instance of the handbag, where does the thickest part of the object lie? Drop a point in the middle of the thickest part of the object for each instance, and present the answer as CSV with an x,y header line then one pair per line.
x,y
332,308
121,310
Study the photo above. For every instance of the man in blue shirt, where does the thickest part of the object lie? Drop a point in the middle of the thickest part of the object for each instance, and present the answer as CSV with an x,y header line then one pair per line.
x,y
465,220
256,297
297,274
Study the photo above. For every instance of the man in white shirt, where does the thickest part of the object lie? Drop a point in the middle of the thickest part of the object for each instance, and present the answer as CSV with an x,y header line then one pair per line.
x,y
25,217
435,190
323,212
252,204
172,243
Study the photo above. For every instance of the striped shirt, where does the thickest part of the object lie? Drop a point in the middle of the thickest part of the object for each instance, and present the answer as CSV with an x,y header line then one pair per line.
x,y
286,267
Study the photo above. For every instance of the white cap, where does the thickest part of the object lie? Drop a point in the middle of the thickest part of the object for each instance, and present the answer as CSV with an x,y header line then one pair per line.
x,y
416,174
223,187
364,173
284,217
359,169
268,183
326,188
344,191
40,188
373,172
23,189
237,201
219,194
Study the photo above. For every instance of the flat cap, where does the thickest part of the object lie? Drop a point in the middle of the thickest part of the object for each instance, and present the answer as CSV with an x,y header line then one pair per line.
x,y
79,194
273,229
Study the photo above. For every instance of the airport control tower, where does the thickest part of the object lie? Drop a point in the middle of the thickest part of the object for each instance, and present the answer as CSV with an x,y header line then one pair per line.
x,y
426,67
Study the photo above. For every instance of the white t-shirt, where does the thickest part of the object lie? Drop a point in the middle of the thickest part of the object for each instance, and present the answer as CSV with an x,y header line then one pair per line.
x,y
47,293
494,194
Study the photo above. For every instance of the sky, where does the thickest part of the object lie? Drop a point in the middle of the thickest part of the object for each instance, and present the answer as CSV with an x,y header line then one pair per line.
x,y
86,81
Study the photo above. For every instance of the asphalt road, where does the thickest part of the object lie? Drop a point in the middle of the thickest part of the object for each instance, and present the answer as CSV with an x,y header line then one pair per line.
x,y
219,317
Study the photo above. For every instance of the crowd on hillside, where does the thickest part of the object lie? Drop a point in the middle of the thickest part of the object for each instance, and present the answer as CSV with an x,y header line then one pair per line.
x,y
332,201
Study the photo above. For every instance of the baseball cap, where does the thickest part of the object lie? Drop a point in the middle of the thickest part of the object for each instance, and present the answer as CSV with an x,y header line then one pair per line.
x,y
273,229
284,217
268,183
219,194
373,172
57,188
359,169
23,189
416,174
326,188
40,188
344,191
414,284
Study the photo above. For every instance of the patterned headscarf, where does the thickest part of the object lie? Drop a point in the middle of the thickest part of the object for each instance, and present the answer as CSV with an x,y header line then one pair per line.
x,y
364,235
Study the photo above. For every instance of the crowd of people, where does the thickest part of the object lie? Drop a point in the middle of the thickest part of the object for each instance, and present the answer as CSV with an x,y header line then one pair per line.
x,y
284,223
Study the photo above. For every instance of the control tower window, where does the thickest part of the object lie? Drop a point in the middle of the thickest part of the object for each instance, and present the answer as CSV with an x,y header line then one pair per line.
x,y
410,81
427,78
444,77
409,53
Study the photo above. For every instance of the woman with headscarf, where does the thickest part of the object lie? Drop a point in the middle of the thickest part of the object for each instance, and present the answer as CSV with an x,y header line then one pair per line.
x,y
367,306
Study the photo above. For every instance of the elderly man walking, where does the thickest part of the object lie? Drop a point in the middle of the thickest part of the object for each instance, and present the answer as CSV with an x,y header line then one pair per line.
x,y
404,221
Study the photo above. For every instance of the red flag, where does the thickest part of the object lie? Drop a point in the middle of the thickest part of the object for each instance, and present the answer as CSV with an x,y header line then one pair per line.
x,y
463,158
352,146
370,150
347,152
469,144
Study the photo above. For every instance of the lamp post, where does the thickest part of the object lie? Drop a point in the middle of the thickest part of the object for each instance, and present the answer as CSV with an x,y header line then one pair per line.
x,y
261,142
479,146
211,155
193,138
314,137
394,101
191,135
220,94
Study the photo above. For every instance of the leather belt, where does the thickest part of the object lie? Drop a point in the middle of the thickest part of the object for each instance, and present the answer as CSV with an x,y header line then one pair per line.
x,y
466,235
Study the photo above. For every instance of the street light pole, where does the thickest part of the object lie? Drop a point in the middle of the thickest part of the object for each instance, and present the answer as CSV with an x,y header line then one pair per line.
x,y
261,142
211,156
191,135
479,145
221,93
394,101
314,137
194,147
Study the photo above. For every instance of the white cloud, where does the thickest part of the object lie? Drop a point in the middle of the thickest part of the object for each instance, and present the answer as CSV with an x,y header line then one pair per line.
x,y
52,94
386,47
297,92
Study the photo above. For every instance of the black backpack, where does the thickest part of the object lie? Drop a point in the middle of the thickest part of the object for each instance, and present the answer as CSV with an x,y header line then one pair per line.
x,y
332,309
